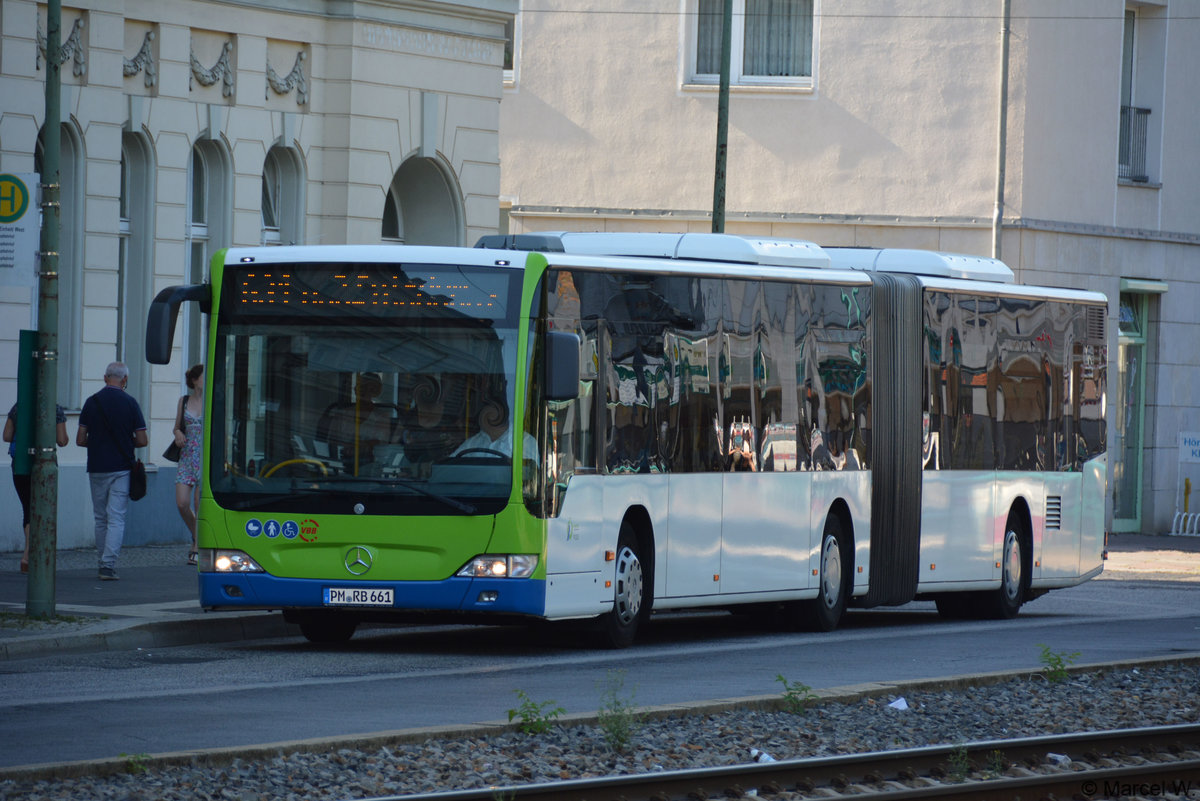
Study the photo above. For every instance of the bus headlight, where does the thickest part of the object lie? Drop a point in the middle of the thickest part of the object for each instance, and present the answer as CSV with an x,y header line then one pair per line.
x,y
512,565
213,560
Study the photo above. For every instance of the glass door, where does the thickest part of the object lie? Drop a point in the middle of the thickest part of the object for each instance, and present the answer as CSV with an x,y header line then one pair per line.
x,y
1129,422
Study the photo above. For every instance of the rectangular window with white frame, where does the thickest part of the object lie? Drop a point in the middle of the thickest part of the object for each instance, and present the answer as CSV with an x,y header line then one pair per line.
x,y
772,42
512,47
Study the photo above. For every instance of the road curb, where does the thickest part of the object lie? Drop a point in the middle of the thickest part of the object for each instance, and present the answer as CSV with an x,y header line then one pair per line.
x,y
374,740
152,634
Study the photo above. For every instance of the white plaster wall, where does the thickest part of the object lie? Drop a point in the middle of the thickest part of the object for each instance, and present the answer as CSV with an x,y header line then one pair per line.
x,y
1180,192
894,146
363,118
599,117
1068,69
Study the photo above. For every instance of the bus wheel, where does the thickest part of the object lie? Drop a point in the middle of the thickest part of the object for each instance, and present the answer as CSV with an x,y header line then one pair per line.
x,y
619,626
1005,603
328,630
824,612
957,606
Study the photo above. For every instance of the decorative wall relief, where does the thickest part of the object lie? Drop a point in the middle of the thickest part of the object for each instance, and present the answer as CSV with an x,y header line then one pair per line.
x,y
144,61
221,71
71,47
293,80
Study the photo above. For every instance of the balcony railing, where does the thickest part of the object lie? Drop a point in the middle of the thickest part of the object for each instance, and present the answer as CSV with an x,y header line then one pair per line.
x,y
1132,163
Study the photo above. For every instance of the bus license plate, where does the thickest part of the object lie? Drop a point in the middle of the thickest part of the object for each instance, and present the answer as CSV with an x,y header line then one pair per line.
x,y
346,596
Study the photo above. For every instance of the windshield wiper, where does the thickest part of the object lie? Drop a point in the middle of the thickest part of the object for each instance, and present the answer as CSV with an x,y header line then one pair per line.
x,y
412,484
248,501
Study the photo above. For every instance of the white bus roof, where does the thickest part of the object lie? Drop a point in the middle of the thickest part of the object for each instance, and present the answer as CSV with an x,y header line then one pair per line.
x,y
921,262
702,247
704,268
938,269
764,251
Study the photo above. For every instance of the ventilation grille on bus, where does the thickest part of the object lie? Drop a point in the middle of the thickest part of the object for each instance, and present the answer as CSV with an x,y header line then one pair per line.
x,y
1054,512
1095,324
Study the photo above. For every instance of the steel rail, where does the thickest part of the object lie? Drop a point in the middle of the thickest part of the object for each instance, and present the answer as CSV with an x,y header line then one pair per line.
x,y
883,774
1178,777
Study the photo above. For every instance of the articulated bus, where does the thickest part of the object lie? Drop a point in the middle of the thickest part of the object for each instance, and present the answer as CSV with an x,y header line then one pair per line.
x,y
592,427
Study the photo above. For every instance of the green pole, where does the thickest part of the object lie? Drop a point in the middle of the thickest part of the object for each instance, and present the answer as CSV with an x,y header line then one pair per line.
x,y
43,519
26,403
718,214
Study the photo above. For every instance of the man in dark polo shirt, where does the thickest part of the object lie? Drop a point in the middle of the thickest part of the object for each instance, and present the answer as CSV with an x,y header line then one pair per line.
x,y
110,427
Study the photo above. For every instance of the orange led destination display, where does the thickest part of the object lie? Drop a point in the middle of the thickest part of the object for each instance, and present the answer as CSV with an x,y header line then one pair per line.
x,y
371,289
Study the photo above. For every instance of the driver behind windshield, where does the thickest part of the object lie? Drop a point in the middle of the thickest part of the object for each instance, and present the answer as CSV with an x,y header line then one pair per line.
x,y
435,420
495,435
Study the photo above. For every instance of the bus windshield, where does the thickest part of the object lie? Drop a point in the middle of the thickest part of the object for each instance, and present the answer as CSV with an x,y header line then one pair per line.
x,y
365,389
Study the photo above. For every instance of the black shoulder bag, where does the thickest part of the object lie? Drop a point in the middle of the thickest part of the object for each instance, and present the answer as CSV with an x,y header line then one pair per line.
x,y
173,451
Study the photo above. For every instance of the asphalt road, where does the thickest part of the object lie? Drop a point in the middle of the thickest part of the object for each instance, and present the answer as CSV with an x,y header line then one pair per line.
x,y
75,707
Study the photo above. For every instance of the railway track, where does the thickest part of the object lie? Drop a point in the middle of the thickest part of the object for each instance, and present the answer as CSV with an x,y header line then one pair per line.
x,y
1154,762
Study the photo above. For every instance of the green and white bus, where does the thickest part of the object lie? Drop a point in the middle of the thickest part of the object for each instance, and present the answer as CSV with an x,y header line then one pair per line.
x,y
575,426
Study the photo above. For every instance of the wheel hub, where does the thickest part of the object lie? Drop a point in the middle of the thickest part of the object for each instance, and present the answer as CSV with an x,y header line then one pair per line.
x,y
1012,566
629,586
831,573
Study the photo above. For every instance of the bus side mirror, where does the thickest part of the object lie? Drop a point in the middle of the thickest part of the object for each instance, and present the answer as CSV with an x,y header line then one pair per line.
x,y
164,311
562,366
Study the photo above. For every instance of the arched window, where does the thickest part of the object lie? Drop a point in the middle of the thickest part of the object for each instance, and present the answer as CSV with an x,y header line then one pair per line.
x,y
283,195
210,203
391,220
135,256
422,206
70,259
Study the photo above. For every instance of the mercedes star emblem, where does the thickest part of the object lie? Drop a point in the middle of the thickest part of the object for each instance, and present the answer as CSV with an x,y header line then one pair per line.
x,y
358,560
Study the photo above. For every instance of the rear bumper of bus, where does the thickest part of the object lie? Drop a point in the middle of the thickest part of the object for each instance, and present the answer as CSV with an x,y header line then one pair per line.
x,y
245,591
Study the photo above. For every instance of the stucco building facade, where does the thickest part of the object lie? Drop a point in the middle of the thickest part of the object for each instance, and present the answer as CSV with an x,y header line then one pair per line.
x,y
877,123
188,126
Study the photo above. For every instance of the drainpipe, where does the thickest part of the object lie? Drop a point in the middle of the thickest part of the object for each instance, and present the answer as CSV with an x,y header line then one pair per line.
x,y
1001,132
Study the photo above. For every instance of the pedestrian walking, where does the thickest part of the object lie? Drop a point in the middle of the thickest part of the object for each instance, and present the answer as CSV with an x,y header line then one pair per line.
x,y
21,479
189,437
110,427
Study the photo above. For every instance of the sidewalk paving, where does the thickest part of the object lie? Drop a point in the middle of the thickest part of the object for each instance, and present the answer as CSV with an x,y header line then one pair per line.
x,y
155,602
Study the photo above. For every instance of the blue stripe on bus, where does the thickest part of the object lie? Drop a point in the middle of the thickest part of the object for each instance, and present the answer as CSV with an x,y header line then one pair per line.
x,y
261,590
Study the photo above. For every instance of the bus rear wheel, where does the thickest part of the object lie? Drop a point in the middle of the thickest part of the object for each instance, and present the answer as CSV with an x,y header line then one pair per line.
x,y
999,604
1005,603
619,627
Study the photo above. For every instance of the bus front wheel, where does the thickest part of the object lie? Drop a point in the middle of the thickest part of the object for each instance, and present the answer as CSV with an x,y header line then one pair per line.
x,y
619,627
328,630
824,612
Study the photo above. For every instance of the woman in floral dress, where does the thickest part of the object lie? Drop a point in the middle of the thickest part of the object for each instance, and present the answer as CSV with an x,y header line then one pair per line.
x,y
190,441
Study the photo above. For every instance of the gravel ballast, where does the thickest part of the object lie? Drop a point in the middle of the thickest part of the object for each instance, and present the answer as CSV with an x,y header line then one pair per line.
x,y
1029,705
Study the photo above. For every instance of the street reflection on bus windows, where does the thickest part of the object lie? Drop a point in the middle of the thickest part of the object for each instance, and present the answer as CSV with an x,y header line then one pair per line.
x,y
699,374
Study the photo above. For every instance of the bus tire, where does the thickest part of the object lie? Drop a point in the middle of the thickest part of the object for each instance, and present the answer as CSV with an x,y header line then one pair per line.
x,y
957,606
1005,603
824,612
619,627
326,630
